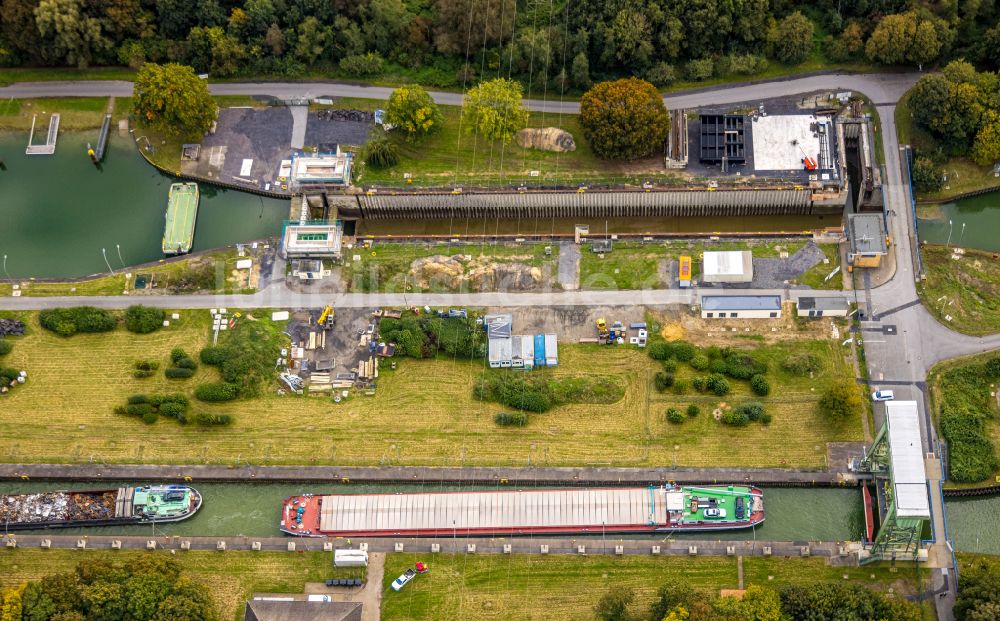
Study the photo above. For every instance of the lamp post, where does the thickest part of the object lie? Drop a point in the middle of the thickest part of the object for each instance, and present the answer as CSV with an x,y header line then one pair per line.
x,y
948,243
119,247
961,235
104,253
5,269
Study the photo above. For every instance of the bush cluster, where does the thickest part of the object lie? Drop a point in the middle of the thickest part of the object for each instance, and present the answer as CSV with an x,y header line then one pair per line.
x,y
183,366
965,419
427,336
511,419
663,380
802,364
760,385
675,416
69,321
515,390
8,375
143,319
245,361
5,347
216,392
144,368
150,407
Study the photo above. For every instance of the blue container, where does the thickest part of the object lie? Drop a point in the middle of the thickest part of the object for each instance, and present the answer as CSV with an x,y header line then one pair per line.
x,y
539,350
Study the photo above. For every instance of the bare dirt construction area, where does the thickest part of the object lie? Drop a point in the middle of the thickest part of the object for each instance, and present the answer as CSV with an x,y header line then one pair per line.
x,y
723,332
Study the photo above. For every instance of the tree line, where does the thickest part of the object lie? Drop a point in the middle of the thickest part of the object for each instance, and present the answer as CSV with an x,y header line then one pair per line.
x,y
545,44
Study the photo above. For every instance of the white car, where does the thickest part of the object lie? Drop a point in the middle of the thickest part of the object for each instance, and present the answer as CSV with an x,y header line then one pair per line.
x,y
883,395
715,513
401,581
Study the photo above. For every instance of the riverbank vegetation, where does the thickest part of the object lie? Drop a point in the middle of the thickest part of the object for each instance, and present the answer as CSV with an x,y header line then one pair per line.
x,y
962,393
423,412
978,588
952,121
473,587
210,272
962,291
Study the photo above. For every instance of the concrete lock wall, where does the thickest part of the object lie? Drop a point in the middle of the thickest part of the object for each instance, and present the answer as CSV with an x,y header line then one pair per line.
x,y
589,204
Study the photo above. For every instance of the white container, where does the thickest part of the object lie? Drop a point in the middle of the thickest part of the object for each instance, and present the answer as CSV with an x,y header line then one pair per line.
x,y
350,558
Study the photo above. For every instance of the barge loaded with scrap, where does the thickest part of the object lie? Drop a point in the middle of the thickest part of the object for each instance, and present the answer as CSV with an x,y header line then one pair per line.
x,y
125,505
525,512
181,216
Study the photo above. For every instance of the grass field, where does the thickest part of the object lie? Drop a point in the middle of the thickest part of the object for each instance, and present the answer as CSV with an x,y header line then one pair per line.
x,y
163,274
556,588
637,265
74,113
387,266
967,290
423,413
815,276
232,577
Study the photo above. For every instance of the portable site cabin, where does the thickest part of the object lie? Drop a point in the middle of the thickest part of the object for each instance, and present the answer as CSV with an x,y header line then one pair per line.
x,y
350,558
684,272
823,307
500,352
551,351
539,350
522,352
740,306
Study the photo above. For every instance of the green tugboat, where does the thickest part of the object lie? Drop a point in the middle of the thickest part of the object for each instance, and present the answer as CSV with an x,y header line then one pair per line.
x,y
182,213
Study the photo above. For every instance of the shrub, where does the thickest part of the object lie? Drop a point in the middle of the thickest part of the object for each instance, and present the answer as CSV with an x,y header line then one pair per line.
x,y
204,419
700,69
992,366
699,384
663,380
754,411
178,372
683,350
149,417
744,366
802,364
143,319
699,362
8,375
69,321
5,347
735,418
675,416
136,399
380,152
717,365
140,374
177,354
669,365
186,363
765,418
693,410
216,391
146,365
681,387
760,385
173,410
362,65
515,390
158,400
511,419
717,384
841,401
215,355
139,409
660,350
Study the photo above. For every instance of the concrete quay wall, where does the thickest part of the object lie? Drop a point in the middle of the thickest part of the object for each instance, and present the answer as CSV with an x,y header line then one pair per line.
x,y
140,473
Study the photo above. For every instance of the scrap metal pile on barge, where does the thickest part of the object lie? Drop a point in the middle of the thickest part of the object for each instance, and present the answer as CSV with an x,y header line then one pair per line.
x,y
525,512
125,505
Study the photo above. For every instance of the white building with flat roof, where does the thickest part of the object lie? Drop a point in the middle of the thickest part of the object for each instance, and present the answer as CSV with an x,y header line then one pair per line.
x,y
727,266
312,240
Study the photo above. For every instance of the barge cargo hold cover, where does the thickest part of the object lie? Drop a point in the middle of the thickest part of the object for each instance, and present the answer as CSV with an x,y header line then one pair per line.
x,y
524,512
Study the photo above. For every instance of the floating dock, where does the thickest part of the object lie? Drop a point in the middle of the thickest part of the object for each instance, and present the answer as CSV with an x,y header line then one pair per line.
x,y
181,216
102,140
525,512
50,142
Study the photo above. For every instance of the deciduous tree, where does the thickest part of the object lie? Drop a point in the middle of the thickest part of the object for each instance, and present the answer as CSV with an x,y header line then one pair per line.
x,y
840,402
986,148
614,605
75,36
624,119
791,38
412,110
172,99
494,109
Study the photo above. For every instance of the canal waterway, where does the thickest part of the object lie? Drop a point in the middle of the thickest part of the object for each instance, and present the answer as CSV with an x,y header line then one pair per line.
x,y
58,211
254,509
980,215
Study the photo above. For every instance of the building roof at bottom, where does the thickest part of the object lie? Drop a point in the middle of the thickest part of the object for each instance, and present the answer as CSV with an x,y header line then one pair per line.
x,y
867,233
495,510
909,475
265,610
741,302
824,303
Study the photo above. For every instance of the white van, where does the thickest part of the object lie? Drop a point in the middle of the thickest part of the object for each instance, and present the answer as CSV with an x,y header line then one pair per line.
x,y
883,395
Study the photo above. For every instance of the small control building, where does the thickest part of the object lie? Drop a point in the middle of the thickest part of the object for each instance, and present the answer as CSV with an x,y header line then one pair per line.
x,y
823,307
866,232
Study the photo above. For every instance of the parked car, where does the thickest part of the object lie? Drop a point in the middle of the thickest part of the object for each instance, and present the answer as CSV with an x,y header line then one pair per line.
x,y
883,395
715,513
401,581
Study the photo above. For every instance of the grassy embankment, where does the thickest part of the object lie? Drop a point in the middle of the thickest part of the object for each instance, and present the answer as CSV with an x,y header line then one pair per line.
x,y
967,290
387,267
635,265
964,175
964,382
472,587
422,414
74,113
554,588
211,272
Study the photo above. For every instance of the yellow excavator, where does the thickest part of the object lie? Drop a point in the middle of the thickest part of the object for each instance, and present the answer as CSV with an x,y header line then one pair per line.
x,y
326,318
602,328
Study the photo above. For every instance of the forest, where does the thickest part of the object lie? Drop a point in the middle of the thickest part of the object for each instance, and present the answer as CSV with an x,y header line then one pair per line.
x,y
548,45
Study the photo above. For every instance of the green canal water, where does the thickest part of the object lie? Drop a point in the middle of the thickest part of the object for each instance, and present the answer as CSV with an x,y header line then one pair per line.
x,y
254,509
980,215
58,211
